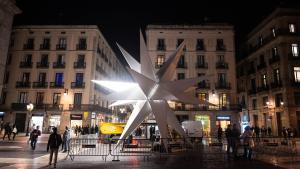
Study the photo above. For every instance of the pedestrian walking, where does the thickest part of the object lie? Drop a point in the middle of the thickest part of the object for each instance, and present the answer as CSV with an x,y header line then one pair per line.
x,y
14,131
235,133
248,142
7,131
228,135
1,126
66,139
97,130
220,132
34,137
53,143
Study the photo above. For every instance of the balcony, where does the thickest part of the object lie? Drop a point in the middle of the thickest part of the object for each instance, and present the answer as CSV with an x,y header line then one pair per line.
x,y
295,83
200,48
203,85
42,65
251,71
81,47
222,65
19,106
182,65
25,65
39,84
262,89
54,107
161,48
201,65
61,46
56,85
292,57
79,65
223,85
77,85
44,46
252,91
229,107
220,48
59,65
262,66
158,65
276,84
28,46
274,59
21,84
89,107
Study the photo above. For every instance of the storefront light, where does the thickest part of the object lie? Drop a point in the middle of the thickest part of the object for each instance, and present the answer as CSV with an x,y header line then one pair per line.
x,y
66,92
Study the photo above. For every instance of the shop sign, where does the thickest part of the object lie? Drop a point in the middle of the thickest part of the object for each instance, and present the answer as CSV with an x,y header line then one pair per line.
x,y
76,116
100,117
1,114
85,115
223,117
245,115
38,114
93,115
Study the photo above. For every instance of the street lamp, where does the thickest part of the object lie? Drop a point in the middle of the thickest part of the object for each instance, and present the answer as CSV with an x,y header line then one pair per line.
x,y
29,108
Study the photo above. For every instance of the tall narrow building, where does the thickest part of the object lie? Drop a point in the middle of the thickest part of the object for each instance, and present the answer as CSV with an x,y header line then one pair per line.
x,y
209,51
52,67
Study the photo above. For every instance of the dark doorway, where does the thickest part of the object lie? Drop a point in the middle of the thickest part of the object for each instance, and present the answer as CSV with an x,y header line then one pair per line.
x,y
20,121
255,120
298,120
279,123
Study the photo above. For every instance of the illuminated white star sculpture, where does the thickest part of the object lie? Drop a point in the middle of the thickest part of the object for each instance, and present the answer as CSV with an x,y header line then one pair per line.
x,y
151,91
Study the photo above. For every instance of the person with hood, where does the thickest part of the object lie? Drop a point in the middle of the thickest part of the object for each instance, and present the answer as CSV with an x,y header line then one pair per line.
x,y
248,142
53,143
66,139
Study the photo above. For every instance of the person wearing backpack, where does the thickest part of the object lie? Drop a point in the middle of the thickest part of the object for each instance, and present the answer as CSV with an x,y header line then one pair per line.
x,y
53,143
34,137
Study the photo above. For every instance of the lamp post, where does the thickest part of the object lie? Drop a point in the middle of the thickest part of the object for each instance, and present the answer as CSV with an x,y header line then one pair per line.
x,y
29,108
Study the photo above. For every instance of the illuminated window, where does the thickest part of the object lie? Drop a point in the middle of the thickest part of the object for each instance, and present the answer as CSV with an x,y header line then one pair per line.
x,y
297,74
202,96
265,100
274,51
200,59
276,76
160,60
292,28
23,97
274,32
295,50
264,80
223,100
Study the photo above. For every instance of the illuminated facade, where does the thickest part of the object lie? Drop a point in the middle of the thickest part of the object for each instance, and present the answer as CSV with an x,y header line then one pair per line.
x,y
268,76
209,51
52,67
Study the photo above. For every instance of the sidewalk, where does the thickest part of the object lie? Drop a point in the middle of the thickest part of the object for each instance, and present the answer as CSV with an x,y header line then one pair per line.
x,y
22,138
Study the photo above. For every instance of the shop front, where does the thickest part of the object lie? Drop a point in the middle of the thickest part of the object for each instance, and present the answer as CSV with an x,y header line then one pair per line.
x,y
205,120
223,121
37,119
76,120
54,121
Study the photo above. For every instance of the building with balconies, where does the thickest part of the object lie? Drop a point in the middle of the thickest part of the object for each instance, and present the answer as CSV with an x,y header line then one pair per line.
x,y
209,50
52,68
270,70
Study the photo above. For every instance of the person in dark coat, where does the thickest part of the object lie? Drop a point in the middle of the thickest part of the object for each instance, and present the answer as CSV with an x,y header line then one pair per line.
x,y
66,139
34,137
7,131
53,143
220,132
97,130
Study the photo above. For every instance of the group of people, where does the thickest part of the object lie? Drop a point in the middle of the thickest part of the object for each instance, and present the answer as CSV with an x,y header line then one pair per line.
x,y
8,130
78,130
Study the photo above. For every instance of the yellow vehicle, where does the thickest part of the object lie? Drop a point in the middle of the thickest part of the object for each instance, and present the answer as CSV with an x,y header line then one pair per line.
x,y
111,128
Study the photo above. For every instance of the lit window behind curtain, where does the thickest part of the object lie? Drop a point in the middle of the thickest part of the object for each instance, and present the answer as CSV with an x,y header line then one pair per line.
x,y
297,74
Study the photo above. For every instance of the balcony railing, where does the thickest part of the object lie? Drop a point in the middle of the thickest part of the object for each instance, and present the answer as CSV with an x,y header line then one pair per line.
x,y
46,107
262,66
77,85
56,85
220,48
201,65
222,65
223,85
295,83
21,84
203,85
182,65
42,64
229,107
79,65
59,65
276,84
61,46
262,88
44,46
39,84
161,48
200,48
28,46
252,91
19,106
81,47
88,107
25,65
158,65
274,59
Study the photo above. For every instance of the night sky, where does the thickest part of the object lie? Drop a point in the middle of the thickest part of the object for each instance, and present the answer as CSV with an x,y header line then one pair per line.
x,y
120,21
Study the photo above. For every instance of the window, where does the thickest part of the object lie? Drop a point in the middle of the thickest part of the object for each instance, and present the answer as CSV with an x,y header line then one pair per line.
x,y
77,98
200,59
59,78
253,84
201,74
223,100
264,80
80,58
56,98
9,57
180,76
297,98
60,59
79,78
3,97
220,44
30,42
160,60
265,100
82,41
295,50
273,32
46,41
25,77
278,100
44,59
292,28
276,75
203,96
260,40
39,98
222,78
42,77
297,74
262,59
23,97
254,104
181,60
179,41
28,58
62,41
200,44
274,51
161,44
221,58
